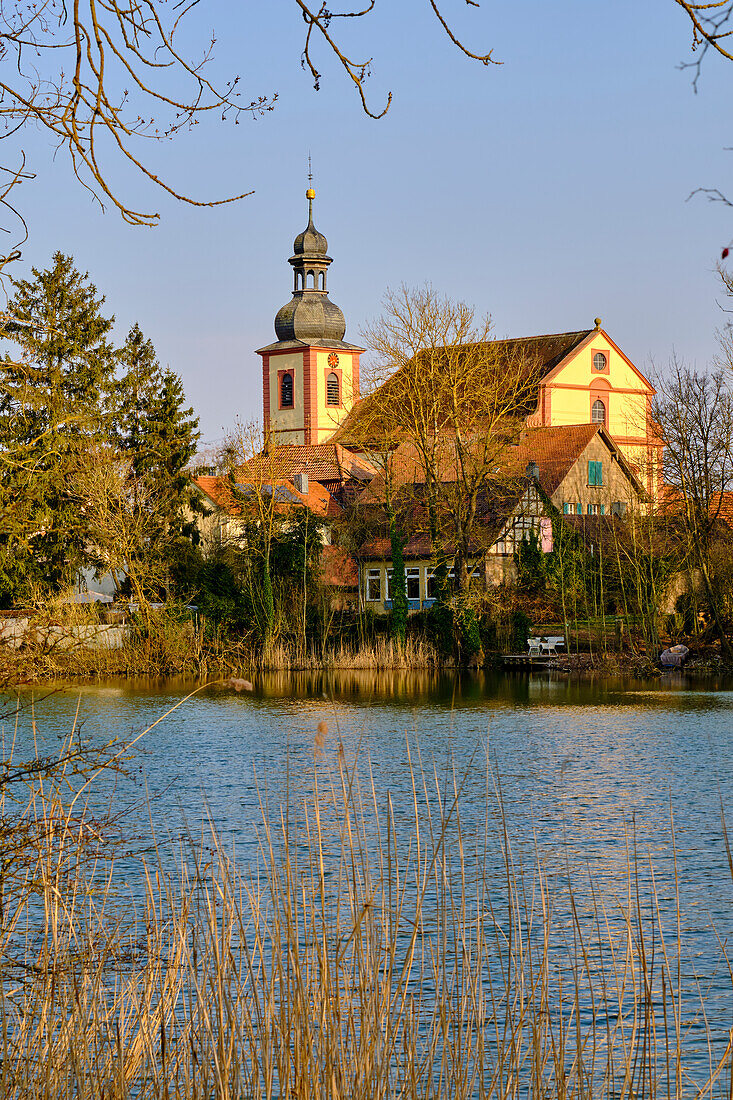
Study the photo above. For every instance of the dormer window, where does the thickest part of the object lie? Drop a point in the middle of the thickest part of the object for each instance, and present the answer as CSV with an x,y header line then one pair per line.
x,y
600,361
332,389
286,391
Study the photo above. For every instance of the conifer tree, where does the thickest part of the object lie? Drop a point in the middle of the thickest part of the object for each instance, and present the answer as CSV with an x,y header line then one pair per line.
x,y
135,393
54,393
156,430
158,434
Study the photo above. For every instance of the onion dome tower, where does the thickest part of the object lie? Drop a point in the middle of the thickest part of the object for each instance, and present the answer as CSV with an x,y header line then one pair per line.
x,y
310,376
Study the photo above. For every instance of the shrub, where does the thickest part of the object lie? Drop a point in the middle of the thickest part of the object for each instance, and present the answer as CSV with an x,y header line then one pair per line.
x,y
440,627
520,629
468,633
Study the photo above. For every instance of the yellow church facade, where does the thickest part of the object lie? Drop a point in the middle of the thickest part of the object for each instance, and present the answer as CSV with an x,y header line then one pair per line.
x,y
595,382
310,375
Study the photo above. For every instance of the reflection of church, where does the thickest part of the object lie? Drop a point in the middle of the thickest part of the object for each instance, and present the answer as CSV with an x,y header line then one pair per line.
x,y
311,375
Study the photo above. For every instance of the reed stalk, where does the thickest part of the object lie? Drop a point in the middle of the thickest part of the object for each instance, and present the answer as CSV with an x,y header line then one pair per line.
x,y
369,953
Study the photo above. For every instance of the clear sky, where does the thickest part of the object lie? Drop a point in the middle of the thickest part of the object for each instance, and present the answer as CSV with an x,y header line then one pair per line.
x,y
546,191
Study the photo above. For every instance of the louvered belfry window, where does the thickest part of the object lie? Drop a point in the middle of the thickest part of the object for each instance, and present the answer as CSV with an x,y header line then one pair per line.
x,y
332,389
286,391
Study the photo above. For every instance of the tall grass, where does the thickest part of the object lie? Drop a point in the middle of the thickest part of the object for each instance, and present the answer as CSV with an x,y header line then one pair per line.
x,y
370,953
381,653
169,642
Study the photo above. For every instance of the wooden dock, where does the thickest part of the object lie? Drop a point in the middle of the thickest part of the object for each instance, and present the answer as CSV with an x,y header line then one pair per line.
x,y
523,660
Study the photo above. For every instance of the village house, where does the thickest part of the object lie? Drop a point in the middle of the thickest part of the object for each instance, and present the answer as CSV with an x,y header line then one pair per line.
x,y
587,447
577,469
509,512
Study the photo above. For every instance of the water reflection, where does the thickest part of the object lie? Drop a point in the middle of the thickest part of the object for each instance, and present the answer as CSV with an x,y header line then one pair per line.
x,y
587,775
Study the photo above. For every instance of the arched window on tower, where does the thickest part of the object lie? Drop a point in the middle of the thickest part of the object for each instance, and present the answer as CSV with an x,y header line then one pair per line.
x,y
298,280
322,281
286,391
598,412
311,281
332,389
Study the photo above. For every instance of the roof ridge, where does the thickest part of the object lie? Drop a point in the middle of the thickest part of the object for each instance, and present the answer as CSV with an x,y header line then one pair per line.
x,y
543,336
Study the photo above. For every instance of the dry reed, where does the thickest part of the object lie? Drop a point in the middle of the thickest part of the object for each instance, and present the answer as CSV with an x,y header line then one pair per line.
x,y
367,955
382,653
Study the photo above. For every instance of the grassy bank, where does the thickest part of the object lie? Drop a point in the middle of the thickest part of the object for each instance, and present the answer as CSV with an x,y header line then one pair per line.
x,y
174,641
368,955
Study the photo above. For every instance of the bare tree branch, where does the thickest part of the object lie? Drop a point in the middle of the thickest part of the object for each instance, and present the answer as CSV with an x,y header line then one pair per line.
x,y
101,75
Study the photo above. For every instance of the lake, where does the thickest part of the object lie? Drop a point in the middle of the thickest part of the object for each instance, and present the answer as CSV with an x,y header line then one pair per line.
x,y
589,775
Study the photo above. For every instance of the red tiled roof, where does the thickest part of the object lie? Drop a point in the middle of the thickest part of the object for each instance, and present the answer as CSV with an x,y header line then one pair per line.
x,y
539,355
218,490
318,499
721,504
380,548
726,508
555,450
321,461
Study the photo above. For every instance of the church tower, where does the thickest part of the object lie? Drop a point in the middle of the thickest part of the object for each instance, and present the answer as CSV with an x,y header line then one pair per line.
x,y
310,377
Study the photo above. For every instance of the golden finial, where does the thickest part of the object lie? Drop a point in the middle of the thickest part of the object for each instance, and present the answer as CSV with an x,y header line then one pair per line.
x,y
598,322
310,193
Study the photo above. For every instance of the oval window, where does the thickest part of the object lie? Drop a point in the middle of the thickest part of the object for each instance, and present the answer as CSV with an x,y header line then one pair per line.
x,y
600,362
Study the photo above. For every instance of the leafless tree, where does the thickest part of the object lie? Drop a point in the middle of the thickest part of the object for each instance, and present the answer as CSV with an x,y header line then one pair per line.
x,y
711,28
694,411
121,518
442,384
102,76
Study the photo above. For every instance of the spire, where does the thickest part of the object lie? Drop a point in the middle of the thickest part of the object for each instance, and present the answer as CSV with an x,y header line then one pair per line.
x,y
310,242
310,315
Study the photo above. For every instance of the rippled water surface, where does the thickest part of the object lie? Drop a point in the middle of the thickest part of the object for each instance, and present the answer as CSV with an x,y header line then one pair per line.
x,y
588,772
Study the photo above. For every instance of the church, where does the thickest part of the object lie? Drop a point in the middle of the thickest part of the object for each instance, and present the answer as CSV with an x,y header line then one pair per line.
x,y
588,440
310,375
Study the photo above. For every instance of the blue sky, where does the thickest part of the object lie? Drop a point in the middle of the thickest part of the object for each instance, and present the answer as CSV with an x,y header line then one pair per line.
x,y
545,191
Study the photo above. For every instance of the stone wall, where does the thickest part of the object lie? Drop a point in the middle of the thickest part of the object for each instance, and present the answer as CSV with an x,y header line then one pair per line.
x,y
16,631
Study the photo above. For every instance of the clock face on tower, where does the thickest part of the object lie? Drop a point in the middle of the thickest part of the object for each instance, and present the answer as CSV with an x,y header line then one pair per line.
x,y
333,360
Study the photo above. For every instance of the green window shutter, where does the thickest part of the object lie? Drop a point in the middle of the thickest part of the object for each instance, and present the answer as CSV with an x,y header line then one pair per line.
x,y
590,507
579,509
591,473
603,509
566,509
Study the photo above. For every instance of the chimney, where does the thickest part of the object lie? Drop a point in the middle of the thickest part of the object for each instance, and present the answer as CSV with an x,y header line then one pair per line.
x,y
532,471
300,481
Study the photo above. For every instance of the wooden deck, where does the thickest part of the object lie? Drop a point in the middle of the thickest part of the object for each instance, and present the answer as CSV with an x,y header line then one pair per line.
x,y
523,660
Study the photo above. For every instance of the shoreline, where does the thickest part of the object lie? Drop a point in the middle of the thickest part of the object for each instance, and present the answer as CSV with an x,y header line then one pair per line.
x,y
26,670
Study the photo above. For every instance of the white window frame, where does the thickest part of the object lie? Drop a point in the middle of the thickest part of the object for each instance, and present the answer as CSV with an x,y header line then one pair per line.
x,y
371,576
